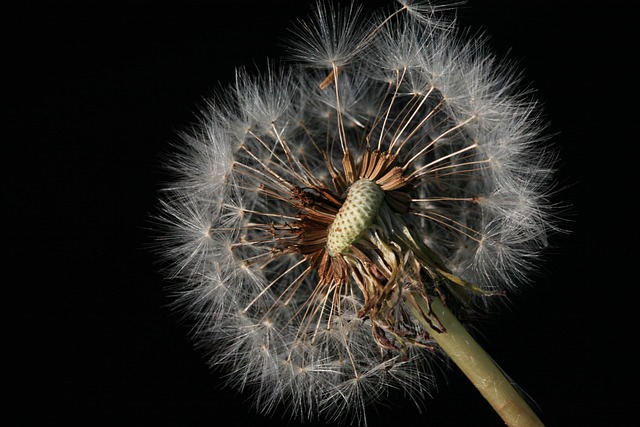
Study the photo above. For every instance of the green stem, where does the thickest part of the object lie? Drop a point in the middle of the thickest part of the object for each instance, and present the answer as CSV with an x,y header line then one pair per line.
x,y
477,365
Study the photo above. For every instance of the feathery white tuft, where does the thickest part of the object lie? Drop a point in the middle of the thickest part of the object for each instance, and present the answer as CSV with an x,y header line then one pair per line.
x,y
454,150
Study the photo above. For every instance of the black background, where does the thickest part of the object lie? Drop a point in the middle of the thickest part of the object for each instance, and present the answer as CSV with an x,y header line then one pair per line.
x,y
97,91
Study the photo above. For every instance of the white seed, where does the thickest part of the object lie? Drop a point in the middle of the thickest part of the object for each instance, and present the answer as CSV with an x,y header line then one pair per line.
x,y
355,216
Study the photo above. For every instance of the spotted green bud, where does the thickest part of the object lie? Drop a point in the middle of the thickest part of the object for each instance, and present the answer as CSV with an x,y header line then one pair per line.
x,y
355,216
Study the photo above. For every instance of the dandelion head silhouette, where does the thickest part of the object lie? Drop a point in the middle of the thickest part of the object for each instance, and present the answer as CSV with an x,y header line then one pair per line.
x,y
322,207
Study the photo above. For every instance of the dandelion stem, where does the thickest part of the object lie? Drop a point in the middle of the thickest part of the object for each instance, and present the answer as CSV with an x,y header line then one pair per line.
x,y
478,366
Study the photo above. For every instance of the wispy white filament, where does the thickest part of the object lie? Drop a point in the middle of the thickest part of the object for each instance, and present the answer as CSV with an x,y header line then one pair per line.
x,y
468,144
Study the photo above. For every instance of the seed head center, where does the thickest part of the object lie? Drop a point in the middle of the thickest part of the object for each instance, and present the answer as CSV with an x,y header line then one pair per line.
x,y
358,211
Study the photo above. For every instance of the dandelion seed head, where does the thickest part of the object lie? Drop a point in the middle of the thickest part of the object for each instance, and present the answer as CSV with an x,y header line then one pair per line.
x,y
391,160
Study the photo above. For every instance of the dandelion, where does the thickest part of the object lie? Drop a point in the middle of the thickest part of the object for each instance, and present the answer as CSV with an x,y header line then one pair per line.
x,y
337,219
